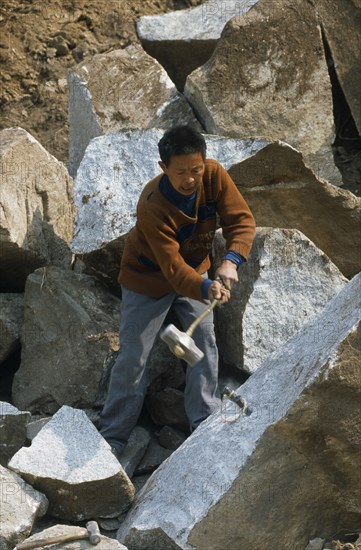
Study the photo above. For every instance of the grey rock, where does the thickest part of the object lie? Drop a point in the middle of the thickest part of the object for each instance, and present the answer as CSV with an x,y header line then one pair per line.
x,y
294,456
20,506
265,80
108,94
105,543
166,408
134,450
153,458
71,322
11,316
345,48
183,40
282,192
13,425
315,544
74,467
171,438
284,284
36,200
165,370
34,427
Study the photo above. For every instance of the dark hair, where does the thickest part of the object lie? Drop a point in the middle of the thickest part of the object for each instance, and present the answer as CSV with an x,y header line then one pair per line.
x,y
181,140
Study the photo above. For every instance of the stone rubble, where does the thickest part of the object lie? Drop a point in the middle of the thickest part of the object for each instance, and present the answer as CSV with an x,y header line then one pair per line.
x,y
284,284
74,467
36,224
294,456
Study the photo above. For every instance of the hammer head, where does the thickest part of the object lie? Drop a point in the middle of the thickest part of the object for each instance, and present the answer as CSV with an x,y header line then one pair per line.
x,y
181,345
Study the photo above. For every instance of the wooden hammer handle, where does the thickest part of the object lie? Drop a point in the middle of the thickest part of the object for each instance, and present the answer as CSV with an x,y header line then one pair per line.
x,y
40,543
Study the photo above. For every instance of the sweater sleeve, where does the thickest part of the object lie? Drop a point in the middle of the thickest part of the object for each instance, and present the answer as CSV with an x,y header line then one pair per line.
x,y
161,238
237,222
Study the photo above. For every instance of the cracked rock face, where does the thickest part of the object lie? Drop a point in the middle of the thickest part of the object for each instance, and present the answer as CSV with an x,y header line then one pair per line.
x,y
36,224
265,80
295,456
345,47
74,467
120,90
284,284
20,506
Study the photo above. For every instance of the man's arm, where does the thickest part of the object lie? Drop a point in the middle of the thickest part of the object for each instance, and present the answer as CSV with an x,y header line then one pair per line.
x,y
238,227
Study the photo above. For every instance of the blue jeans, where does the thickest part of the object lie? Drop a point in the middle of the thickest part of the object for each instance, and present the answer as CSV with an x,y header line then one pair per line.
x,y
141,320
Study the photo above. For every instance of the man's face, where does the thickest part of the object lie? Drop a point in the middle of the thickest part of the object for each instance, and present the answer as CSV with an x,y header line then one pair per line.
x,y
185,172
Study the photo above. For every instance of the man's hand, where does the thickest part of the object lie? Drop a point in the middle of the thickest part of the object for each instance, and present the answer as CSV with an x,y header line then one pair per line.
x,y
218,292
227,271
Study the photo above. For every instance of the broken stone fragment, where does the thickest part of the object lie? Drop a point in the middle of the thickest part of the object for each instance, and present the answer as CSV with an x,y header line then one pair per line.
x,y
11,317
134,450
166,408
20,506
36,224
265,80
105,543
171,438
74,467
71,322
285,283
282,191
13,425
153,458
120,90
295,455
183,40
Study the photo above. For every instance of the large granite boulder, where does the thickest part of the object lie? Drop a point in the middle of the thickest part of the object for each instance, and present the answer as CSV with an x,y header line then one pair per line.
x,y
70,324
275,477
345,47
11,316
119,90
183,40
264,79
36,224
285,283
282,192
13,427
20,506
74,467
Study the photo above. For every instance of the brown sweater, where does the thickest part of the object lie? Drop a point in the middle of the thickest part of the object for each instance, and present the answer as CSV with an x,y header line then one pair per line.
x,y
169,251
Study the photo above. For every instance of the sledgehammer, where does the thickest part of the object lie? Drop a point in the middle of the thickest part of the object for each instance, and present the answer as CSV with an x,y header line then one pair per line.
x,y
91,532
181,343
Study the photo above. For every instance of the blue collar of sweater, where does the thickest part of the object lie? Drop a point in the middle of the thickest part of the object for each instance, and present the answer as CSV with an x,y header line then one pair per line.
x,y
182,202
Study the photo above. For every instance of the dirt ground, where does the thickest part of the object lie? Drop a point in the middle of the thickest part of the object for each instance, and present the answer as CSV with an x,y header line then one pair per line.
x,y
40,40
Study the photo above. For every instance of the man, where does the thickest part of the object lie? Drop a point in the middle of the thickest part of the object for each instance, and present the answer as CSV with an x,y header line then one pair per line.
x,y
165,265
